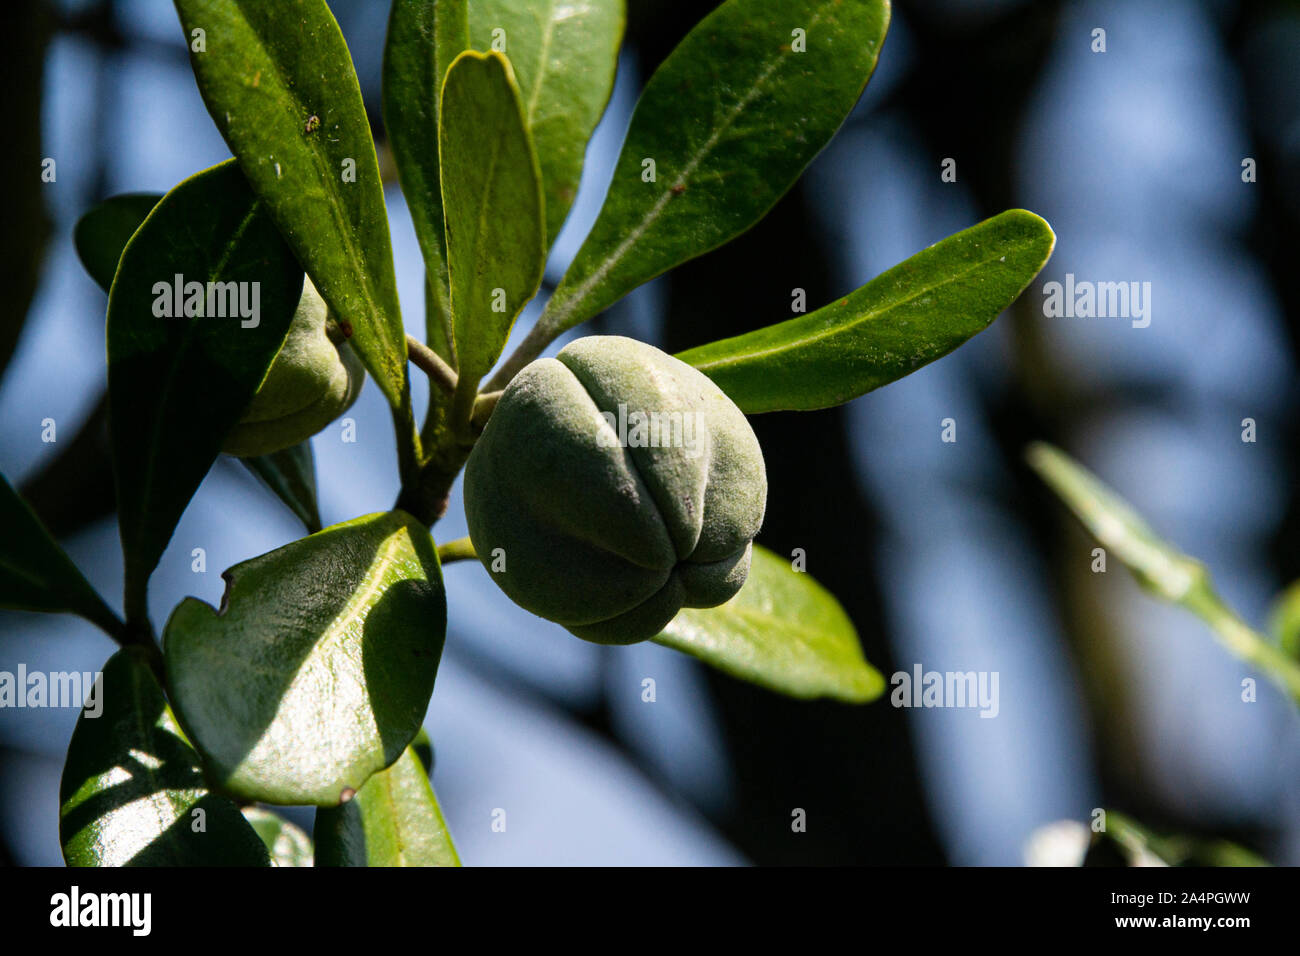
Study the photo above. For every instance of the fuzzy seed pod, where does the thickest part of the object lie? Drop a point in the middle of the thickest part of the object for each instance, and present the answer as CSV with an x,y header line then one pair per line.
x,y
613,486
314,379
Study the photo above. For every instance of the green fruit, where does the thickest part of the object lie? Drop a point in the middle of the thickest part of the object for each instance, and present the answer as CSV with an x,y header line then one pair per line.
x,y
612,534
314,379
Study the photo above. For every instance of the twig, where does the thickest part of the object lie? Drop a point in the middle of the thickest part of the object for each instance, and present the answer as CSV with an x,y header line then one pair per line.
x,y
431,364
462,549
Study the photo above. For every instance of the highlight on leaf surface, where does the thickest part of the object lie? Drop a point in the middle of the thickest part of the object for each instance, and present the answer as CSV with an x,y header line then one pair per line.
x,y
317,669
132,792
783,631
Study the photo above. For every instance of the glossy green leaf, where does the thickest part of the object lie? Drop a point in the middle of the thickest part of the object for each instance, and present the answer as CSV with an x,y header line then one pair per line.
x,y
132,793
103,232
783,631
177,385
291,475
564,53
730,120
36,574
394,820
317,670
424,36
918,311
286,843
279,83
1158,566
492,200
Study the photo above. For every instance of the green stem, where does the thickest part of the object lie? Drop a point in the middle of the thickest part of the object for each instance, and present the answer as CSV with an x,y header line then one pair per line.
x,y
1244,641
462,549
431,364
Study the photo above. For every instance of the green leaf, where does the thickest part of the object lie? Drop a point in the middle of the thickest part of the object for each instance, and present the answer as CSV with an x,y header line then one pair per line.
x,y
287,844
783,631
394,820
1284,621
132,793
492,199
291,474
36,574
1139,846
1158,566
564,55
318,668
279,83
177,385
424,36
730,119
103,232
918,311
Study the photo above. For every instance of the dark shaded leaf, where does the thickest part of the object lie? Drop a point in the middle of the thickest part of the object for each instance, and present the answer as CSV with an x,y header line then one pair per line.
x,y
291,475
178,385
103,232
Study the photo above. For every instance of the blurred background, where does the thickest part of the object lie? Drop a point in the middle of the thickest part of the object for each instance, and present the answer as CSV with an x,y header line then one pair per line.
x,y
947,555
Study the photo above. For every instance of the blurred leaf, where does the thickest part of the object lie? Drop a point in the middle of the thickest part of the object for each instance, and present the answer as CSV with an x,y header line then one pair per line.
x,y
394,820
177,385
783,631
36,574
287,844
132,793
492,199
1158,567
1284,622
291,474
103,232
1139,847
317,670
730,119
279,83
911,315
423,38
564,55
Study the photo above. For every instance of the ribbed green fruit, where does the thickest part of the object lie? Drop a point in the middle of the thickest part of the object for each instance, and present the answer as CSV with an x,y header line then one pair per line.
x,y
312,381
610,534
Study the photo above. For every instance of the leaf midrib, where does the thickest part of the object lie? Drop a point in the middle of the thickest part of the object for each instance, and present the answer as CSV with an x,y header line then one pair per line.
x,y
337,208
570,305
